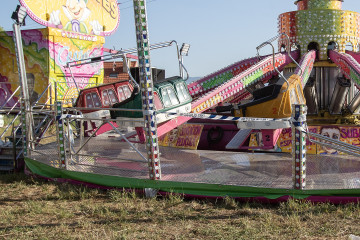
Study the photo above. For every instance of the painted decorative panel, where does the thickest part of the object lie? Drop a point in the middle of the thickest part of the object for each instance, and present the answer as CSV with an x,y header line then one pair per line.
x,y
96,17
47,52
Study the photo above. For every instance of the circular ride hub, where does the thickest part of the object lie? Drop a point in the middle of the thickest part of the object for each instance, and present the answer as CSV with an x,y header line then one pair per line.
x,y
322,25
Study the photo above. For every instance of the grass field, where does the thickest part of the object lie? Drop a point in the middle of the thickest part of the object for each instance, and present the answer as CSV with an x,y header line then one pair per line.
x,y
35,209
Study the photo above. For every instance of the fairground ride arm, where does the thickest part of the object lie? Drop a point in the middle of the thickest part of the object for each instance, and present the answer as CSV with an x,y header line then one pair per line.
x,y
261,71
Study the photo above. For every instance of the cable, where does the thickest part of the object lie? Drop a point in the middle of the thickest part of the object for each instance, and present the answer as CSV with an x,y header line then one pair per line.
x,y
149,1
125,2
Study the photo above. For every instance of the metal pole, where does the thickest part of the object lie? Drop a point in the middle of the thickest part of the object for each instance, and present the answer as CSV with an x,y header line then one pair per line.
x,y
299,145
23,129
51,93
61,138
69,136
23,83
146,85
56,95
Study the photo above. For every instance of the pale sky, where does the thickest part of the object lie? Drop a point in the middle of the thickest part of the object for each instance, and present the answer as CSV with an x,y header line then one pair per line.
x,y
220,32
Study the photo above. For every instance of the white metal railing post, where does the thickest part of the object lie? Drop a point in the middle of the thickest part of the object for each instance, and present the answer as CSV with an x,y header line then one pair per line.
x,y
299,145
146,86
23,83
23,129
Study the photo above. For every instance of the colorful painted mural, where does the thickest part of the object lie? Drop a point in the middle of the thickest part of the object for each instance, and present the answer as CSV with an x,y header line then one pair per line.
x,y
350,135
47,52
96,17
284,141
70,46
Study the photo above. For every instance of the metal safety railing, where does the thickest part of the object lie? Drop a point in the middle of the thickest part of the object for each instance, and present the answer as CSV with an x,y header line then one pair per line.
x,y
335,144
15,108
269,42
72,121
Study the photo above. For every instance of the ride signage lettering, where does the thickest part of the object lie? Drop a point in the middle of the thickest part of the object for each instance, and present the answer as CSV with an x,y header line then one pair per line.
x,y
285,141
185,136
109,6
350,135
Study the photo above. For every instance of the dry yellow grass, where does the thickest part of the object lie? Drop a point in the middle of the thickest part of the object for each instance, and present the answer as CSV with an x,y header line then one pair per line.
x,y
34,209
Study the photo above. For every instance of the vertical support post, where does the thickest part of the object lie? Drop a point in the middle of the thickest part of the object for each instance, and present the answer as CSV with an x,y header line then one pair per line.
x,y
146,86
81,138
56,94
13,135
51,94
23,129
299,145
69,136
81,131
24,87
61,139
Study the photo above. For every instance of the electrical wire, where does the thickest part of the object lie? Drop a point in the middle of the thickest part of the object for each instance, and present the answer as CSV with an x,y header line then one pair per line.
x,y
125,2
148,1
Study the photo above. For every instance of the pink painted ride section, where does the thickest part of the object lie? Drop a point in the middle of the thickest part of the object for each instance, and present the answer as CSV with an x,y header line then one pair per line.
x,y
306,64
236,85
348,63
196,88
355,55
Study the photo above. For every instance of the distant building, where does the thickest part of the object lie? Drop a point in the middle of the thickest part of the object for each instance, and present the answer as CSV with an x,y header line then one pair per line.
x,y
116,71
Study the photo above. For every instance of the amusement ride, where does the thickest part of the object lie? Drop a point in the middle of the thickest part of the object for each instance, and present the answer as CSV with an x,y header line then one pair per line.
x,y
297,108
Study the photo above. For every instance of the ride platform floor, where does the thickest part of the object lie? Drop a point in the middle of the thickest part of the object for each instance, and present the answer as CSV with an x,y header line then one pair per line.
x,y
106,155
